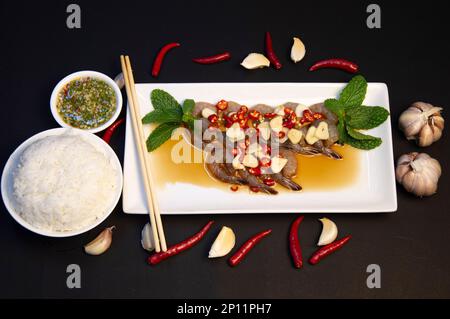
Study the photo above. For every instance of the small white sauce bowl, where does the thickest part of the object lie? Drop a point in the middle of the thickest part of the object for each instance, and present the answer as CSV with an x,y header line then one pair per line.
x,y
85,74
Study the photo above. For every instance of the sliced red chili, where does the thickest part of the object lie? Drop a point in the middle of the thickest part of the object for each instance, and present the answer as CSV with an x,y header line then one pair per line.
x,y
254,115
160,57
269,181
222,105
269,116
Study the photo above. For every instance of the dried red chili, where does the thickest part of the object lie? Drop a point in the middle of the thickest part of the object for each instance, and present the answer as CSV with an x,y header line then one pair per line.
x,y
294,243
160,57
340,64
245,248
213,59
111,129
328,249
178,248
271,53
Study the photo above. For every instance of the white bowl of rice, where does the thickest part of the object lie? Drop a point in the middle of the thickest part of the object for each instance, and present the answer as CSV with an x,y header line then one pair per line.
x,y
62,182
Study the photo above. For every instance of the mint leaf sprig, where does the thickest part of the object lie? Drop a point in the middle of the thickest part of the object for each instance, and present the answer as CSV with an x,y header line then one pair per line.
x,y
169,114
353,116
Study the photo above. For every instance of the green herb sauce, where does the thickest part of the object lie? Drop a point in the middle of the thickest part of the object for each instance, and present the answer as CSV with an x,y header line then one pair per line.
x,y
86,103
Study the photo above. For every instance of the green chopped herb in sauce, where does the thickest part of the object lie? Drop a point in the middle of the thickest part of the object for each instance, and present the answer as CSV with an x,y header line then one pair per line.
x,y
86,103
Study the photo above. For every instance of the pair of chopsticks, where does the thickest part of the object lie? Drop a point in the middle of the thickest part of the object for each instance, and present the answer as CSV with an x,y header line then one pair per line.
x,y
152,203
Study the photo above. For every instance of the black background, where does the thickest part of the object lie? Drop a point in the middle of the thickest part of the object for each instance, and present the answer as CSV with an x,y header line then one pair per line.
x,y
411,245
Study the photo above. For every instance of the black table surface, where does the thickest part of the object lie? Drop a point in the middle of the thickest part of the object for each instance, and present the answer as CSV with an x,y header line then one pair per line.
x,y
410,245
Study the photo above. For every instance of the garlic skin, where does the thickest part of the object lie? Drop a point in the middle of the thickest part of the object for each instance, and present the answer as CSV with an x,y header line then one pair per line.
x,y
418,173
422,122
147,241
329,232
255,61
298,50
101,243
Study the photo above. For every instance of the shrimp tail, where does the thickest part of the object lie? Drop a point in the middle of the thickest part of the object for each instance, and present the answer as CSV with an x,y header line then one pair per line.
x,y
331,153
286,182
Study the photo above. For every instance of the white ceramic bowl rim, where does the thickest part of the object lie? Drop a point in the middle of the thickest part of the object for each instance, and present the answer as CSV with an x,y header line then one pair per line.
x,y
92,74
6,188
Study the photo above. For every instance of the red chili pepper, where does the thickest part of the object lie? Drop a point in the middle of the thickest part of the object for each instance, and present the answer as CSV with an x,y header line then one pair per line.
x,y
213,118
328,249
269,116
318,116
255,171
254,189
234,188
213,59
294,243
111,129
308,116
160,57
245,249
269,182
270,53
340,64
222,105
254,115
178,248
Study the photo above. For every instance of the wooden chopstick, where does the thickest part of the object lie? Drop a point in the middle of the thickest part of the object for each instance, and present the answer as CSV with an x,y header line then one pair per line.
x,y
152,203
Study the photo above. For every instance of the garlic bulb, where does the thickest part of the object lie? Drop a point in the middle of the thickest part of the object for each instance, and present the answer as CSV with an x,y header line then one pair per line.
x,y
422,122
418,173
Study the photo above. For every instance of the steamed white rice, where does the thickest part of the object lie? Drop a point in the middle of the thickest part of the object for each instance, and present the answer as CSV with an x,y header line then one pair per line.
x,y
63,183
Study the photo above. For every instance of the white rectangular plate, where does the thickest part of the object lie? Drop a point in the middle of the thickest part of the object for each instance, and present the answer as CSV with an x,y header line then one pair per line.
x,y
373,191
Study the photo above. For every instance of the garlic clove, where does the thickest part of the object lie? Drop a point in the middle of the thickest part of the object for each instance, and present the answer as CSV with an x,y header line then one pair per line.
x,y
255,61
298,50
278,164
147,241
250,161
223,244
101,243
206,113
300,109
235,133
329,232
120,80
264,130
311,135
321,131
295,136
276,124
237,163
426,136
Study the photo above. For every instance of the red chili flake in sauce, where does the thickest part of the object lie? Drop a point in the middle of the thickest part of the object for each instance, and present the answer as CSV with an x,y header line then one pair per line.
x,y
254,189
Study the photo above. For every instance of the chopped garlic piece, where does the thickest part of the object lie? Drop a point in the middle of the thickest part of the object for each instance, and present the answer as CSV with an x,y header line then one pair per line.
x,y
278,164
276,124
264,130
322,132
295,136
206,113
235,133
310,136
250,161
237,163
